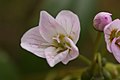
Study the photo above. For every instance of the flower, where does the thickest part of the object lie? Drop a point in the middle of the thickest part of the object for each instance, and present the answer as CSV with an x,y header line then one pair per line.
x,y
54,39
101,20
112,38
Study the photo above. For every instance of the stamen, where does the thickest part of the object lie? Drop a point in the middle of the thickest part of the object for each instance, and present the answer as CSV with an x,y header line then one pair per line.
x,y
57,38
118,34
68,47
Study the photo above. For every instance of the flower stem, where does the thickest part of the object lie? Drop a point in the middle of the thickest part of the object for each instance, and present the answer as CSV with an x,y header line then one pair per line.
x,y
97,42
86,60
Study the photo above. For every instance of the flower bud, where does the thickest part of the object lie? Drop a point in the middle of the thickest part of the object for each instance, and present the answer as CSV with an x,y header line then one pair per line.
x,y
101,20
112,68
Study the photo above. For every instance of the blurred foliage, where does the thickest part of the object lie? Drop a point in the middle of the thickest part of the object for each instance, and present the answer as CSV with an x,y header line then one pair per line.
x,y
17,16
8,71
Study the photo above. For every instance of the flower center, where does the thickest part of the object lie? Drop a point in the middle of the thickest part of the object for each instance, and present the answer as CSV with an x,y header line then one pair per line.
x,y
114,34
60,43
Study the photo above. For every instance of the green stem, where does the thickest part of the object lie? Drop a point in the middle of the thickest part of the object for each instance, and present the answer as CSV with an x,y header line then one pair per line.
x,y
97,42
86,60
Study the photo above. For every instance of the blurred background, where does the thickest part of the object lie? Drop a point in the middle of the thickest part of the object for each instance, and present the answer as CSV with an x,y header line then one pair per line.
x,y
18,16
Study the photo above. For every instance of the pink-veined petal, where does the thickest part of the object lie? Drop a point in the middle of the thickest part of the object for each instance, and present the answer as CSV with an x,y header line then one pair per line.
x,y
74,52
53,57
70,22
114,25
115,49
49,27
111,26
108,42
33,42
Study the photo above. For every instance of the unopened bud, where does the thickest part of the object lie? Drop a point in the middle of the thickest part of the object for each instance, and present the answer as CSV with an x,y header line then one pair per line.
x,y
101,20
112,68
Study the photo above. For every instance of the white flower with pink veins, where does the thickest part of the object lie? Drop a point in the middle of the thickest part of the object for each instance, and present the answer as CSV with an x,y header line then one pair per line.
x,y
54,38
112,38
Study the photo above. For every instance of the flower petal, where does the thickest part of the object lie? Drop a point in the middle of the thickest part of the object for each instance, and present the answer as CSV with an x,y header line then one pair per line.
x,y
74,52
111,26
53,57
33,42
49,27
108,42
70,22
114,25
115,49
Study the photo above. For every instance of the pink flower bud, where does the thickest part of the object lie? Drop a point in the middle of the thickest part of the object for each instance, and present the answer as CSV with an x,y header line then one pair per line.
x,y
101,20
